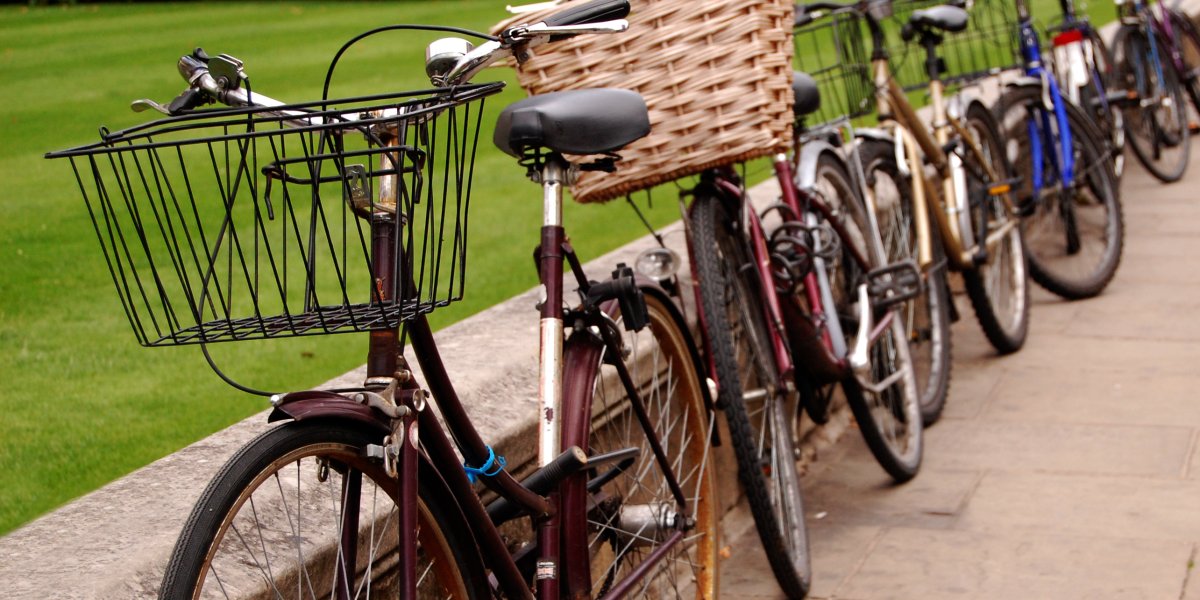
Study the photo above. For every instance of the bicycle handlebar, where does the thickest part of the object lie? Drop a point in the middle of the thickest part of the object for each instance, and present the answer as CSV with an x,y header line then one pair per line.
x,y
449,61
596,11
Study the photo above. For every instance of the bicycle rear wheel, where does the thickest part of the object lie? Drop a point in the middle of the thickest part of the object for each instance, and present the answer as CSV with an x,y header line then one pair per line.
x,y
1187,41
1073,233
1156,124
998,288
927,317
631,513
270,524
1105,114
759,411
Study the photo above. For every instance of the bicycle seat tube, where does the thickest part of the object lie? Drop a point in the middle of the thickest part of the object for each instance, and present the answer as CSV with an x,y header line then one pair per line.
x,y
892,106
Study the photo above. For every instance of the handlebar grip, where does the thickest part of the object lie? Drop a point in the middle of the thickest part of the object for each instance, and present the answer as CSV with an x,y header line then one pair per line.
x,y
596,11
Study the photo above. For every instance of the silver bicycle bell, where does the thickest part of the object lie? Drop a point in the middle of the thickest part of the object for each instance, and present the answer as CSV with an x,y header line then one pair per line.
x,y
441,56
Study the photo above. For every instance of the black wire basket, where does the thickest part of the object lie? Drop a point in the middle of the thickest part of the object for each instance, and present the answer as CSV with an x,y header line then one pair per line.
x,y
989,44
832,50
240,224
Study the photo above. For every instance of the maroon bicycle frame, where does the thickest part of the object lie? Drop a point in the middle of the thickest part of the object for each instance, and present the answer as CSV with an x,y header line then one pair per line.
x,y
562,543
819,356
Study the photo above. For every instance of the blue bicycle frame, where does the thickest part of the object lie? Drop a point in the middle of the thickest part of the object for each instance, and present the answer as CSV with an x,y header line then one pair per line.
x,y
1062,158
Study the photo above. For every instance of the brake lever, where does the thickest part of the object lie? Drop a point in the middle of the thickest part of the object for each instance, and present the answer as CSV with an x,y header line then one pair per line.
x,y
145,104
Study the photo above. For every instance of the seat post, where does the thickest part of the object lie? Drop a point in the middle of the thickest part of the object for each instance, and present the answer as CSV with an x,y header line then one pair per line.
x,y
555,174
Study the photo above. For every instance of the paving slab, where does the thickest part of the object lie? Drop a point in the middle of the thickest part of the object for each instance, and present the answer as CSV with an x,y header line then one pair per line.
x,y
1163,509
1193,466
850,488
1143,451
837,551
1191,585
1165,311
917,563
1121,396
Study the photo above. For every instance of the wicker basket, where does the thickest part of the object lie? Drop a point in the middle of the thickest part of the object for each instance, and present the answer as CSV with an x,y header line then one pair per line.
x,y
716,75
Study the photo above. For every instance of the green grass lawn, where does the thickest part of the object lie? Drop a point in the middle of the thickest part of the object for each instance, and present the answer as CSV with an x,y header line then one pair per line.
x,y
82,403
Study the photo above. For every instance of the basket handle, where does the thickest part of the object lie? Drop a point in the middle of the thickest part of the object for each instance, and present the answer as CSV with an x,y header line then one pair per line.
x,y
596,11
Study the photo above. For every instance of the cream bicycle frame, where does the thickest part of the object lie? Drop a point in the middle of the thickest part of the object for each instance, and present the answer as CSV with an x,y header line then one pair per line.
x,y
915,148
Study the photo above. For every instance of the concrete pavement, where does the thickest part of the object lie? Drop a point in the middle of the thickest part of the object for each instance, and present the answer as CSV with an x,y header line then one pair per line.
x,y
1070,469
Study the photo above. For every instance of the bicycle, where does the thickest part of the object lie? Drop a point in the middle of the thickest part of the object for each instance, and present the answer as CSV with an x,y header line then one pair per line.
x,y
1186,57
1150,68
1084,67
361,491
972,213
1071,218
772,302
832,61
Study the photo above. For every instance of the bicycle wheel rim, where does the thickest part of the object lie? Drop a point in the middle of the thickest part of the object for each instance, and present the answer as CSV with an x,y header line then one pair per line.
x,y
275,525
890,419
998,288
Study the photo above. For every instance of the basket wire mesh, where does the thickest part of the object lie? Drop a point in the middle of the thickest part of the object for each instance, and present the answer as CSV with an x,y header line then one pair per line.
x,y
988,45
833,52
258,223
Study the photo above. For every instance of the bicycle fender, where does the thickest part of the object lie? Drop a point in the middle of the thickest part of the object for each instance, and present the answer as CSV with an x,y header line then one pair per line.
x,y
317,404
1024,81
957,105
651,287
874,133
806,169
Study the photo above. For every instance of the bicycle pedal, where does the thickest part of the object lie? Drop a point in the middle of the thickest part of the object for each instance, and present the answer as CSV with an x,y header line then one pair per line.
x,y
894,283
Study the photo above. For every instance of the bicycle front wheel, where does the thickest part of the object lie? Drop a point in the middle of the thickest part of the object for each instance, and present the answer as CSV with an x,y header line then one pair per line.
x,y
1073,231
273,524
885,403
927,317
628,514
759,411
1156,124
998,288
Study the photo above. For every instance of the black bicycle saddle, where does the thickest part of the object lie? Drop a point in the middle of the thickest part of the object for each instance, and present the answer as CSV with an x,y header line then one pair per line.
x,y
592,121
945,17
807,96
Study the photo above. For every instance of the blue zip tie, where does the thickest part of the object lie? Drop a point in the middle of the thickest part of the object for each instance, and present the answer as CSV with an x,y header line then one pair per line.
x,y
474,473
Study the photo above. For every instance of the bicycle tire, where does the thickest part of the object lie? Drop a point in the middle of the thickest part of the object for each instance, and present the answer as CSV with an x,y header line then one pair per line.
x,y
1188,43
1073,236
626,519
1105,115
227,543
999,287
927,318
1159,137
889,421
761,429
